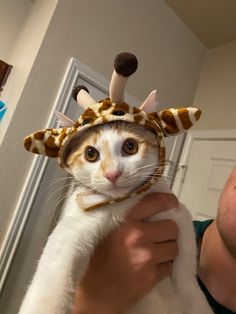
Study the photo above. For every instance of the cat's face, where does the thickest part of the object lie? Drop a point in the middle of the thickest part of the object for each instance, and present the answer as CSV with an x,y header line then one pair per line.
x,y
115,158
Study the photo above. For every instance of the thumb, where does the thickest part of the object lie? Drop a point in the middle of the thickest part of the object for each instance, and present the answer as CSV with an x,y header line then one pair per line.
x,y
152,204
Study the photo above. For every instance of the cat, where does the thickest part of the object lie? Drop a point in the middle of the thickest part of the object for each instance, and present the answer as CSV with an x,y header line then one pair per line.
x,y
113,163
129,151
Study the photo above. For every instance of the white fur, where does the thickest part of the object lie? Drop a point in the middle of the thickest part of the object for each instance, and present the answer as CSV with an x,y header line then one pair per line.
x,y
66,255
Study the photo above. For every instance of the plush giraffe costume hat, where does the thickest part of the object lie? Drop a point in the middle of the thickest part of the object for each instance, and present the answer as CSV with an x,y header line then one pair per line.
x,y
57,142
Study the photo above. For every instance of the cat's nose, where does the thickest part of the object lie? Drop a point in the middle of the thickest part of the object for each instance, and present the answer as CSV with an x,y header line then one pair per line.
x,y
112,176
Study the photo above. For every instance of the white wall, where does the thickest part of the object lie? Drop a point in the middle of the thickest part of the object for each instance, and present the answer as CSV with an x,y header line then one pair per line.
x,y
216,92
29,20
12,18
26,24
170,59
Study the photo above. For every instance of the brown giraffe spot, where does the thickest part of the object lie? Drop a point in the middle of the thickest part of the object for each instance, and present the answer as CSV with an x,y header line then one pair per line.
x,y
27,142
106,104
136,110
35,150
39,135
77,124
121,107
197,114
171,126
89,116
50,142
183,115
154,116
138,118
51,152
150,125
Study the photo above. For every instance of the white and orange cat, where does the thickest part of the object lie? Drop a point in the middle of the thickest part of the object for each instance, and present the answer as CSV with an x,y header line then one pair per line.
x,y
110,161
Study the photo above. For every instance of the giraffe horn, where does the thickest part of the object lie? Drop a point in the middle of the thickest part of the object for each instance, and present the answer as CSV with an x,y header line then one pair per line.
x,y
125,64
81,95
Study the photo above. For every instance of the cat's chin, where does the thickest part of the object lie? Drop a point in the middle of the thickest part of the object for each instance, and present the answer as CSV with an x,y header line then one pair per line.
x,y
115,191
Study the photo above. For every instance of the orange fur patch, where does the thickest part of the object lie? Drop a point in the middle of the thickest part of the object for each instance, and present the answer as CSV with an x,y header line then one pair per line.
x,y
107,162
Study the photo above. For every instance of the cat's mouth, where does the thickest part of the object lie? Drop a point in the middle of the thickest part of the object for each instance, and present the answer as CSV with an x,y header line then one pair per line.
x,y
118,189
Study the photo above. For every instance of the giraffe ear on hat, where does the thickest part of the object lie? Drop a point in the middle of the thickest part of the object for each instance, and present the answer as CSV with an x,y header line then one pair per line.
x,y
178,120
45,142
151,103
63,120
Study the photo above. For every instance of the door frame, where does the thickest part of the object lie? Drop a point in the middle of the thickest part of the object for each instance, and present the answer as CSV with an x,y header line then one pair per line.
x,y
203,135
74,71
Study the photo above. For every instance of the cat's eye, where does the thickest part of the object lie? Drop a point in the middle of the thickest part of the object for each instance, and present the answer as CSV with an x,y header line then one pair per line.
x,y
130,147
91,154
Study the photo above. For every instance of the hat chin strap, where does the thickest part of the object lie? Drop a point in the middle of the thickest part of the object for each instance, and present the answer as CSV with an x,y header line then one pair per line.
x,y
92,200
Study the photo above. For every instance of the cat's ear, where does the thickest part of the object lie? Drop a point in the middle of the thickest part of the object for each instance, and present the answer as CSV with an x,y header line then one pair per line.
x,y
81,95
63,120
178,120
151,103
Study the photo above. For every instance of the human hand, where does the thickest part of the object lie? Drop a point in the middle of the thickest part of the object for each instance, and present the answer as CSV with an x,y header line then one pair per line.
x,y
131,260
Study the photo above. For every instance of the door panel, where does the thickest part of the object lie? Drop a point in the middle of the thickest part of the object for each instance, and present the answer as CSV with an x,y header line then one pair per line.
x,y
44,212
203,171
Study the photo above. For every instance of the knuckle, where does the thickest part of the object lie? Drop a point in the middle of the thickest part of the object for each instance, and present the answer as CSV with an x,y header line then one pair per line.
x,y
167,268
174,249
144,258
151,278
135,237
169,200
174,228
148,256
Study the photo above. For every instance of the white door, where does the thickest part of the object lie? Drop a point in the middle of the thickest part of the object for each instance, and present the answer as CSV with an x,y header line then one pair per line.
x,y
42,197
207,160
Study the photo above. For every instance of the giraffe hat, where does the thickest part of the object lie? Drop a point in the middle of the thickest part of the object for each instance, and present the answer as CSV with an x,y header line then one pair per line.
x,y
58,142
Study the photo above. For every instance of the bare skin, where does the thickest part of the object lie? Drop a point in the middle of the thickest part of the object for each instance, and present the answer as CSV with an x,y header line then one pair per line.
x,y
217,265
132,260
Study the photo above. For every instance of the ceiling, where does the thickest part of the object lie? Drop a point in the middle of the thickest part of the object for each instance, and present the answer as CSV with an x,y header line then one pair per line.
x,y
212,21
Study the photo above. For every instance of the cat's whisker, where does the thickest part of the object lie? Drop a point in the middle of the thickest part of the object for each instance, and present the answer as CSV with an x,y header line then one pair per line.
x,y
59,178
57,203
156,164
67,186
56,182
61,198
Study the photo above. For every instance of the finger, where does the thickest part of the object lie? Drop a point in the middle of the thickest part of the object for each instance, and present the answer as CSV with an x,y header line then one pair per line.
x,y
157,273
152,204
165,252
163,270
159,231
